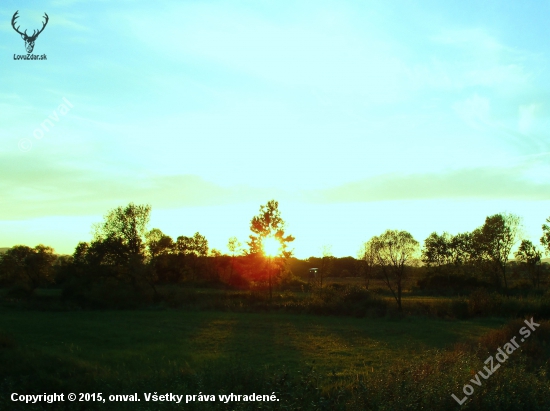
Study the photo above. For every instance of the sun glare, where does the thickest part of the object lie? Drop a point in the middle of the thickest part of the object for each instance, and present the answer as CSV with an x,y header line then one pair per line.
x,y
271,246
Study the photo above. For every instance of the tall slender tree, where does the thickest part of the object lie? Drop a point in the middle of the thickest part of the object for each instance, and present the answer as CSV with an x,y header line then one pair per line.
x,y
269,223
367,261
393,249
234,247
496,238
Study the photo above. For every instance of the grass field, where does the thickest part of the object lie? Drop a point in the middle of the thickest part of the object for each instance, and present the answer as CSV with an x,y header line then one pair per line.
x,y
218,342
76,351
135,342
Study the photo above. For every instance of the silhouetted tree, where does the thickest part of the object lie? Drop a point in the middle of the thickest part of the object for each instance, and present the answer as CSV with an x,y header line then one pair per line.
x,y
545,239
158,243
162,260
460,249
268,224
192,252
118,247
63,268
327,263
217,265
393,249
344,267
496,239
235,247
26,266
107,258
367,258
530,257
128,225
436,252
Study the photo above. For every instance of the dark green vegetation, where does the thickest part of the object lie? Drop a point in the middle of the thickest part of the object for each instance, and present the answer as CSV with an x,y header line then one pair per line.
x,y
134,311
127,264
221,342
311,362
133,343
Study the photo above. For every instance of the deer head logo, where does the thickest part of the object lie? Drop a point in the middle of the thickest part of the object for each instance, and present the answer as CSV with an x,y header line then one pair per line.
x,y
29,40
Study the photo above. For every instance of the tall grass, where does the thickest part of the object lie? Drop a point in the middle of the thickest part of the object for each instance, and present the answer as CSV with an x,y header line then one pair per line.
x,y
335,299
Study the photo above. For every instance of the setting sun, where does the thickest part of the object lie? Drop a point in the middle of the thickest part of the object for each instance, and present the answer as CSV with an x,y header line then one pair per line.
x,y
332,204
271,246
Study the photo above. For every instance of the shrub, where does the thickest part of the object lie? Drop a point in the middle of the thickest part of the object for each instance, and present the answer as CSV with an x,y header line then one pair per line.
x,y
443,284
480,302
346,300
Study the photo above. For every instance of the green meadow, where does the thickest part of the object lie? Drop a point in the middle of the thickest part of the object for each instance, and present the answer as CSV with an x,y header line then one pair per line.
x,y
134,343
310,361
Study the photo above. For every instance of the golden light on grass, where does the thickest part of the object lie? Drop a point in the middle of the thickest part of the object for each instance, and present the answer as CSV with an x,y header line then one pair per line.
x,y
271,246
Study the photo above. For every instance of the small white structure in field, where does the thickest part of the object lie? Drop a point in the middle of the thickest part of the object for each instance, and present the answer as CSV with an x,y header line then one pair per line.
x,y
313,272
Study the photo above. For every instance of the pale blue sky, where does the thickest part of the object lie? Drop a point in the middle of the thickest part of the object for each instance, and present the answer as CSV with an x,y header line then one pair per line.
x,y
357,116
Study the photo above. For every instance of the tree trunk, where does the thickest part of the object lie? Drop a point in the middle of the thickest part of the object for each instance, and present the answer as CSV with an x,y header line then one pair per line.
x,y
399,307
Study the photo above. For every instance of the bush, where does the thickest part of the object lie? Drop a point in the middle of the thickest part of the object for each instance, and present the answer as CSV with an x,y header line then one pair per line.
x,y
346,300
522,285
443,284
292,283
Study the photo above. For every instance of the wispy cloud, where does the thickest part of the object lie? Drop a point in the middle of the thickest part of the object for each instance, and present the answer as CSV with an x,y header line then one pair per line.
x,y
190,104
527,115
475,111
474,57
488,183
305,51
66,189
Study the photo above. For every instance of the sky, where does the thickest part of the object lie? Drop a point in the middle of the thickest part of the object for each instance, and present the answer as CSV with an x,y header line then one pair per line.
x,y
356,116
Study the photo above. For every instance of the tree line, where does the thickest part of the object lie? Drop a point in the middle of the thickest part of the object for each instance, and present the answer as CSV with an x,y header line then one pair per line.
x,y
480,257
125,253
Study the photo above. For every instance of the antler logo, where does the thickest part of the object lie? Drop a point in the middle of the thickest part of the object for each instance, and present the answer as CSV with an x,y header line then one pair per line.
x,y
29,40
